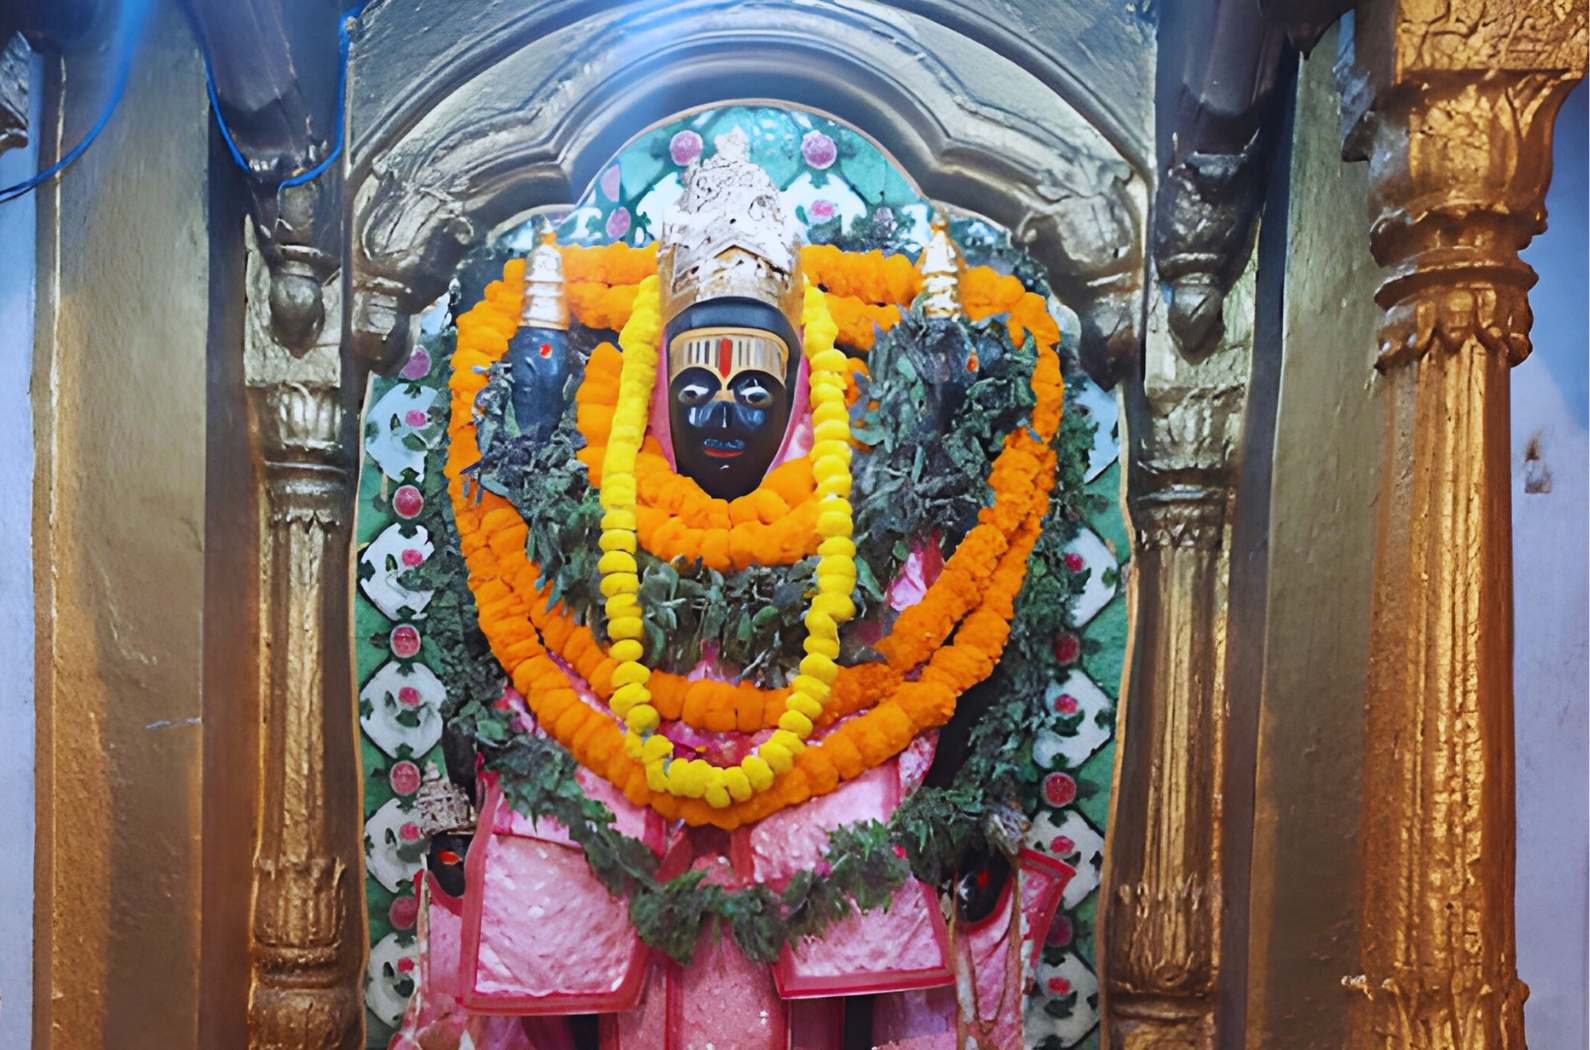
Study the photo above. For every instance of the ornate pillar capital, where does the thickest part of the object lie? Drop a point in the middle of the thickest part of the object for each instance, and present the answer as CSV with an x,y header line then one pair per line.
x,y
1181,517
1454,111
1452,106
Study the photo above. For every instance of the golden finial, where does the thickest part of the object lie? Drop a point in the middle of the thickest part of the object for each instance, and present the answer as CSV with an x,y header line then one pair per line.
x,y
940,265
545,305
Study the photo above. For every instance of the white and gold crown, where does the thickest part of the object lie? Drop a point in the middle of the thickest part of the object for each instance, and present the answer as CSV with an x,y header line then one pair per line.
x,y
441,806
728,235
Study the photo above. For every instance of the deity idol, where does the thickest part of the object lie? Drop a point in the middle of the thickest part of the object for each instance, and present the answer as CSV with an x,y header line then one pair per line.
x,y
739,580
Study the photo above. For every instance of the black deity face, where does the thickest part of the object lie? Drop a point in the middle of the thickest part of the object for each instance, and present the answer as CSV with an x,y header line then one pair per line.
x,y
726,430
732,367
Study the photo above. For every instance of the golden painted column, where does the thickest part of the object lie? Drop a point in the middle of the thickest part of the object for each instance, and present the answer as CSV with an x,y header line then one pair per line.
x,y
1161,903
1456,103
122,329
306,923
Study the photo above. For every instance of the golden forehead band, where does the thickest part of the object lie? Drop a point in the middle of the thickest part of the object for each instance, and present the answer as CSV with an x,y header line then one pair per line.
x,y
728,352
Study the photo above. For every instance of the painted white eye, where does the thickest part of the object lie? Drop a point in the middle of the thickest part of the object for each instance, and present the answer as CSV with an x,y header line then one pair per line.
x,y
754,395
692,394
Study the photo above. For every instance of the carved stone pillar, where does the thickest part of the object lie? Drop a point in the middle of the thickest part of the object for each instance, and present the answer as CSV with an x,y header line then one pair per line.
x,y
306,920
1452,105
1162,897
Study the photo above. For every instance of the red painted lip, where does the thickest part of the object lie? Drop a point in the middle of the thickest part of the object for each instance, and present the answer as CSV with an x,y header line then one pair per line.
x,y
722,453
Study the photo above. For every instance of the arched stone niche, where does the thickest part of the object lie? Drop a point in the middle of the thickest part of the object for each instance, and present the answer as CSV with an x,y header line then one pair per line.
x,y
459,127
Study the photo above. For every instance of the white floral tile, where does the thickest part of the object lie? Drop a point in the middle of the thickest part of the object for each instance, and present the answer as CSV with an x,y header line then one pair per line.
x,y
1075,696
395,430
393,966
1067,836
1101,408
1102,581
404,709
389,556
391,838
1064,1003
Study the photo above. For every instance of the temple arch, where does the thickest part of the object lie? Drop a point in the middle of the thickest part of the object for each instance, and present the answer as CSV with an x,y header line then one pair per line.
x,y
437,169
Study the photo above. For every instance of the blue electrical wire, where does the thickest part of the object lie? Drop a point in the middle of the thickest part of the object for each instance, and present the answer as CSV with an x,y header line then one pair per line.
x,y
134,12
343,45
215,103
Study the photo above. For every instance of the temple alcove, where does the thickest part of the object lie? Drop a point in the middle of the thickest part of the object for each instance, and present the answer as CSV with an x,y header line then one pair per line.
x,y
230,279
840,189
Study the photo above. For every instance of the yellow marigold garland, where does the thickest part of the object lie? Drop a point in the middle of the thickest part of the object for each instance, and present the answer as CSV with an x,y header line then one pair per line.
x,y
976,591
836,567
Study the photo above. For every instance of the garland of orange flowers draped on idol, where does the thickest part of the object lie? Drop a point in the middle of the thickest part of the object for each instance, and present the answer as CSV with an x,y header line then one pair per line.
x,y
880,707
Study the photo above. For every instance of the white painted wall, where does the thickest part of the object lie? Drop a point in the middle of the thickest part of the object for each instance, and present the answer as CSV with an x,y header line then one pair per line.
x,y
16,595
1551,586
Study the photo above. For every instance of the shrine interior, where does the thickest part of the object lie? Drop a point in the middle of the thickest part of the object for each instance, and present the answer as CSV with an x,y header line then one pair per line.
x,y
772,525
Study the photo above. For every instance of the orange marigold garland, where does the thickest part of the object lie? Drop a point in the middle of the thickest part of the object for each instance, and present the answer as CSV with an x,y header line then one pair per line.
x,y
871,277
774,525
973,597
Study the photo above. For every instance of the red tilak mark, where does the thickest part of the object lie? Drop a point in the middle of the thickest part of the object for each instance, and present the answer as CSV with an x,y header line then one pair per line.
x,y
982,879
546,349
447,856
725,356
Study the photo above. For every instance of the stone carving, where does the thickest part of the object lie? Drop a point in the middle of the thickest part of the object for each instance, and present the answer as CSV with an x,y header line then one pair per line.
x,y
1203,231
294,246
1305,20
1163,896
283,124
1453,108
303,993
1213,183
14,92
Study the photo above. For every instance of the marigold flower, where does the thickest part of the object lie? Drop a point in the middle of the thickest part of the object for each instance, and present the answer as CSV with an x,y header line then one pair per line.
x,y
973,597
